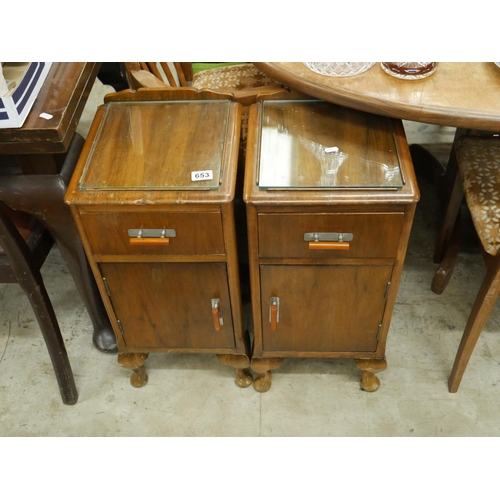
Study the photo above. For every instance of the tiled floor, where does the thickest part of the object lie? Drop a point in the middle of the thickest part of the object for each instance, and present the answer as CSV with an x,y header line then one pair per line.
x,y
194,395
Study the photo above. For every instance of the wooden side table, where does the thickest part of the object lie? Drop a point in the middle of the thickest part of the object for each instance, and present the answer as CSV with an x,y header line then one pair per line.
x,y
152,196
331,195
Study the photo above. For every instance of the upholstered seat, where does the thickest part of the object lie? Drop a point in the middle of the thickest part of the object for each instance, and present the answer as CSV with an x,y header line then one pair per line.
x,y
238,77
475,166
478,160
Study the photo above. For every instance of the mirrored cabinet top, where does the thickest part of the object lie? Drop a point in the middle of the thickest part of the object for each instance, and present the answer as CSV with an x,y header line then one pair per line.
x,y
158,145
307,145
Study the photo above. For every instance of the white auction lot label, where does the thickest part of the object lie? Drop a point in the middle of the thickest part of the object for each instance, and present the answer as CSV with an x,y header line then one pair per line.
x,y
202,175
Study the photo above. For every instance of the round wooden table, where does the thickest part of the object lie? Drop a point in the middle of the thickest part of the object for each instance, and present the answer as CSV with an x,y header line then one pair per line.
x,y
465,95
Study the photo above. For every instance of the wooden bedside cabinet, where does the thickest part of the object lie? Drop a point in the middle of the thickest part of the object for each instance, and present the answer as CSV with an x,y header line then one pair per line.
x,y
152,196
331,196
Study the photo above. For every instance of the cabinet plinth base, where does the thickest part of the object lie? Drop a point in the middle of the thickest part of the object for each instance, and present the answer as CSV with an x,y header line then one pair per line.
x,y
241,362
263,367
135,362
369,381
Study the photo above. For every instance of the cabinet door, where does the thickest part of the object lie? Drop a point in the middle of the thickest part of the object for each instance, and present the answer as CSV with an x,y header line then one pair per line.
x,y
169,305
323,308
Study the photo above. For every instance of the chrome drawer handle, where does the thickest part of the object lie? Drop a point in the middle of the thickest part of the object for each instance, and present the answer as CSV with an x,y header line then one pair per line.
x,y
328,237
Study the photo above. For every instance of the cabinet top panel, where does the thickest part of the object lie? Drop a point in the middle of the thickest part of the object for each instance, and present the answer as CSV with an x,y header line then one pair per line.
x,y
175,145
315,144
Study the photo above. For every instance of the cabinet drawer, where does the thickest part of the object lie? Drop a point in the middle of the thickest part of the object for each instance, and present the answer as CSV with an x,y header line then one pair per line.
x,y
196,233
374,235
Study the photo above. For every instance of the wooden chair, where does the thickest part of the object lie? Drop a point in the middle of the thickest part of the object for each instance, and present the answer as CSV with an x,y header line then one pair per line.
x,y
25,244
243,82
475,165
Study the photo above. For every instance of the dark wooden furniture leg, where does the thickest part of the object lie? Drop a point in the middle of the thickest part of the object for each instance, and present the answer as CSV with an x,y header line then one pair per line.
x,y
43,197
29,278
448,242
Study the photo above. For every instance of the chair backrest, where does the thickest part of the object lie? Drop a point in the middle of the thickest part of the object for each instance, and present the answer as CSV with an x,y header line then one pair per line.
x,y
172,74
148,75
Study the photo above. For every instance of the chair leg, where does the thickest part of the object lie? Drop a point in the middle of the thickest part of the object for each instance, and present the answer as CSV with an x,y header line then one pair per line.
x,y
450,216
445,270
483,305
44,312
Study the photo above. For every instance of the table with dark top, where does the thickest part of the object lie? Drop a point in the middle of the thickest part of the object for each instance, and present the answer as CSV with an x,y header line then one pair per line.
x,y
36,164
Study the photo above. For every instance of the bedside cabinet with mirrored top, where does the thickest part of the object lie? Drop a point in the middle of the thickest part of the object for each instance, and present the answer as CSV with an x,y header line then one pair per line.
x,y
331,196
153,199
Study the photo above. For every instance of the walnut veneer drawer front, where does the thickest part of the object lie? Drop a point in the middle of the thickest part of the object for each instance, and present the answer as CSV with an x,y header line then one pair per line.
x,y
361,235
196,233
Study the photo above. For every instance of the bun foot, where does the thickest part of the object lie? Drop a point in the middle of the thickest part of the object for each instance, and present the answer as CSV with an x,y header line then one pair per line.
x,y
263,367
135,362
263,382
369,381
139,378
243,378
240,362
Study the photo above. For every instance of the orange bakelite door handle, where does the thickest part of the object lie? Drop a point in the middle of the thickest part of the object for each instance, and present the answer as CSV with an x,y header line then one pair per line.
x,y
217,314
274,312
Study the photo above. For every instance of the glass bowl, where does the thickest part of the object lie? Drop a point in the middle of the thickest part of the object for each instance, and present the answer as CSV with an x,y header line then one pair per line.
x,y
339,68
409,70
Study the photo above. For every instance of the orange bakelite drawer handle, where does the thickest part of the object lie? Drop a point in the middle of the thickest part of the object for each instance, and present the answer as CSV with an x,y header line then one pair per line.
x,y
151,236
328,241
149,241
328,245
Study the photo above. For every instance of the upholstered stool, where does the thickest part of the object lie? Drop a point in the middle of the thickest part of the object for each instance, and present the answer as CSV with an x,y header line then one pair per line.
x,y
477,164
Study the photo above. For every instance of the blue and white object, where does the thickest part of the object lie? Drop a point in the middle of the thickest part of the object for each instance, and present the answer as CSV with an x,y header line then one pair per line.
x,y
16,104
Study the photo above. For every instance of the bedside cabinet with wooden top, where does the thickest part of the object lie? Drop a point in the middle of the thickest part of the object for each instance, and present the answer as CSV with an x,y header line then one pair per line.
x,y
331,196
152,196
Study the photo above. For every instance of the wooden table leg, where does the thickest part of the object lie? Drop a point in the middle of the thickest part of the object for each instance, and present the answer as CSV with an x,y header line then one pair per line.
x,y
43,197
